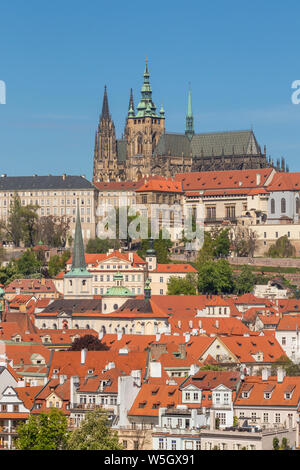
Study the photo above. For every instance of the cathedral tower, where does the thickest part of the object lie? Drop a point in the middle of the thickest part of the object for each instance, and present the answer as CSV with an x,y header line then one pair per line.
x,y
105,152
142,132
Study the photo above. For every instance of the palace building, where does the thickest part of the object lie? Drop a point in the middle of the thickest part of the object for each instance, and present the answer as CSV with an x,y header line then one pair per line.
x,y
146,148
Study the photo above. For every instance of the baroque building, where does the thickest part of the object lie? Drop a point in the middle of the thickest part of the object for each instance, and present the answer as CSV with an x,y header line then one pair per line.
x,y
146,148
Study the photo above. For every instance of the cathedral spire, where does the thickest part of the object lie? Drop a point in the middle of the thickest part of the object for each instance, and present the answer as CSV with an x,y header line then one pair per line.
x,y
189,121
146,102
105,108
131,102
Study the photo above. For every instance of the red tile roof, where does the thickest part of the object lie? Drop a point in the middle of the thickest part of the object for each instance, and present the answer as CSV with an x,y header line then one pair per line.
x,y
174,268
285,182
240,179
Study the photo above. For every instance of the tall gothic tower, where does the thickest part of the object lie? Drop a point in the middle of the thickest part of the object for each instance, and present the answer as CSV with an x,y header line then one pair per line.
x,y
105,152
142,131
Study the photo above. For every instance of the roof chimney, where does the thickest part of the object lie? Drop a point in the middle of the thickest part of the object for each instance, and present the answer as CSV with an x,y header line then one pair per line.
x,y
83,356
280,375
258,179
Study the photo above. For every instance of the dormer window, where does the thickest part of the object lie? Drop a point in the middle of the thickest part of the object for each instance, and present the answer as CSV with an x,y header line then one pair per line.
x,y
245,394
267,395
287,396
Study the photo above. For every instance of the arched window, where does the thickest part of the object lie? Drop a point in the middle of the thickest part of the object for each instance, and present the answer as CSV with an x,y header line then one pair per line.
x,y
297,205
272,206
283,205
54,326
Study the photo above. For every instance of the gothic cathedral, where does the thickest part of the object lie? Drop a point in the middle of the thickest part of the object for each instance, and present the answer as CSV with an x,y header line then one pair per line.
x,y
147,149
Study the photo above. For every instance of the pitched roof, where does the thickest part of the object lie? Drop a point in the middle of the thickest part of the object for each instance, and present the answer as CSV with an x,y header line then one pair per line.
x,y
31,285
174,268
258,387
244,348
168,186
285,182
23,183
208,380
240,179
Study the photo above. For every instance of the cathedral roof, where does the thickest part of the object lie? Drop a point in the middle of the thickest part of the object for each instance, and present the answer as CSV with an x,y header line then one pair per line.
x,y
208,144
227,143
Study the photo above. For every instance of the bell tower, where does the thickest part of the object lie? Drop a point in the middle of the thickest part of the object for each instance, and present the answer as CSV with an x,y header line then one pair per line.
x,y
143,130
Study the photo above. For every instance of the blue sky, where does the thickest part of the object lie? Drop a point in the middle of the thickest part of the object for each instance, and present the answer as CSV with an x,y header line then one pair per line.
x,y
241,58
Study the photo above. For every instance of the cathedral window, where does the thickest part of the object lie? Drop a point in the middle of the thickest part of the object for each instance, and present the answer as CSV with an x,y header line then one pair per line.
x,y
272,206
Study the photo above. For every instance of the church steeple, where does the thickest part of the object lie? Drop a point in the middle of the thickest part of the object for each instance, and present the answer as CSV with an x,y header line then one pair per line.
x,y
105,108
189,121
78,259
105,152
131,102
146,102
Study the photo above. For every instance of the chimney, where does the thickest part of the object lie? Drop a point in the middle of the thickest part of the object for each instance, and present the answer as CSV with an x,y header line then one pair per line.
x,y
200,324
157,336
62,379
280,375
119,335
258,179
155,369
187,337
83,356
217,323
265,374
64,176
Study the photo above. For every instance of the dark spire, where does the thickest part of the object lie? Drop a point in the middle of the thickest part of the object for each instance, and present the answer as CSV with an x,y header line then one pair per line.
x,y
105,108
131,102
78,258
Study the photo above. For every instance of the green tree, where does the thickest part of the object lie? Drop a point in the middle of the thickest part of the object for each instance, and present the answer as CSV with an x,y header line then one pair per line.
x,y
283,248
96,245
182,285
275,443
28,264
13,228
284,444
29,220
46,431
245,281
215,277
94,433
58,263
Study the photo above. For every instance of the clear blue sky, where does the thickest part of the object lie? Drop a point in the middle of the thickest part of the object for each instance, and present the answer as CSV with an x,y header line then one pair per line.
x,y
241,58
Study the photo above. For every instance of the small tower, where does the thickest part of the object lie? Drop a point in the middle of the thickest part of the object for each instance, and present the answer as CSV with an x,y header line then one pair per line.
x,y
147,290
189,120
78,281
2,301
151,259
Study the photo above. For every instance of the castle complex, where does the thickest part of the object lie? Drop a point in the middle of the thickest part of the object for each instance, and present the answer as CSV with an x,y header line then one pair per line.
x,y
146,148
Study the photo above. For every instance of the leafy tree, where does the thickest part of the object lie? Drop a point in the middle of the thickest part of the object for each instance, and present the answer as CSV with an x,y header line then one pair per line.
x,y
216,245
221,243
46,431
29,220
161,245
245,281
182,286
9,273
215,277
13,228
58,263
283,248
28,264
96,245
276,443
52,230
243,241
94,433
284,444
89,342
291,369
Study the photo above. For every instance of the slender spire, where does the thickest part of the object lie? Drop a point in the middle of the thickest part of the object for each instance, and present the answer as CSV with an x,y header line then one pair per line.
x,y
131,102
105,108
78,259
189,121
146,102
